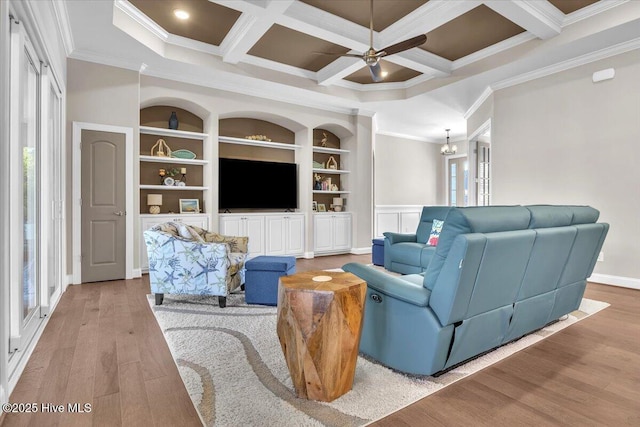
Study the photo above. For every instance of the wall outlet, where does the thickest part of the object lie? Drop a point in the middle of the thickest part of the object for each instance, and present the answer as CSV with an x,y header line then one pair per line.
x,y
601,256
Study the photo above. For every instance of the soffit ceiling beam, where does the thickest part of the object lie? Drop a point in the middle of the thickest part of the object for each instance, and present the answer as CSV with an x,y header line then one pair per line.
x,y
540,18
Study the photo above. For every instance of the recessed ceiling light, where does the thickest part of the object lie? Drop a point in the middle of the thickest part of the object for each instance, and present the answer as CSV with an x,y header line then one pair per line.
x,y
385,73
181,14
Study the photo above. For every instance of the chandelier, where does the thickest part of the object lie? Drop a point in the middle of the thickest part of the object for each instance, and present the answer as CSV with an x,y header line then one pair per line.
x,y
448,148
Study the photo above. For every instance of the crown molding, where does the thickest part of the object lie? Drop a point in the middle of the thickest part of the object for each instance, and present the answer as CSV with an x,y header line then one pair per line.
x,y
591,10
256,88
142,19
568,64
478,102
98,58
64,27
406,136
514,41
278,66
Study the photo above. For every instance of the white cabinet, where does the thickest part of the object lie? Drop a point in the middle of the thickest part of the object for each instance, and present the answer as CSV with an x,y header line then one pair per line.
x,y
148,220
248,225
269,234
331,232
284,234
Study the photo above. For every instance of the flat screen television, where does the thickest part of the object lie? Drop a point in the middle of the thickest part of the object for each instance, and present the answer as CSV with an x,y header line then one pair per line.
x,y
252,184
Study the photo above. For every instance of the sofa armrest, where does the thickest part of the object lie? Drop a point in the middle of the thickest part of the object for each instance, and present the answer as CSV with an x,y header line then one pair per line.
x,y
399,237
392,286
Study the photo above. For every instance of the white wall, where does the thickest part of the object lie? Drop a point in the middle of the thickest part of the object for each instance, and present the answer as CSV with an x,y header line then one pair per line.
x,y
563,139
408,172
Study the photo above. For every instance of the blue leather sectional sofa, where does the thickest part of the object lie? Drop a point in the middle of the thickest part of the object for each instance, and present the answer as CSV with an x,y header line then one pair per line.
x,y
497,273
410,253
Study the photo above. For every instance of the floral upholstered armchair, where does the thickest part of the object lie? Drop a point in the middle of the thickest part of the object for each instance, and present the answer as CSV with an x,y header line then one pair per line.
x,y
184,259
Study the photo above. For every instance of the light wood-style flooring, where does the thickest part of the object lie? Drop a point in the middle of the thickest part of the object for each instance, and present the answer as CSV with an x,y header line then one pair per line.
x,y
103,346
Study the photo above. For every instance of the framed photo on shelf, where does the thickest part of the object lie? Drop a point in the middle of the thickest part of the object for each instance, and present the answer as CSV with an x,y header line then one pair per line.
x,y
322,207
314,206
189,206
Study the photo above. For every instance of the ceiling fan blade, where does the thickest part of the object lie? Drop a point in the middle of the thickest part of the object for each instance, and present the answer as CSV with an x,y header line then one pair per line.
x,y
404,45
352,55
376,72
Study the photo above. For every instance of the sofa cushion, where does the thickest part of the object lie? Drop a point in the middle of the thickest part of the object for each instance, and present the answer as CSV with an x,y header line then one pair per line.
x,y
406,253
425,256
584,214
546,216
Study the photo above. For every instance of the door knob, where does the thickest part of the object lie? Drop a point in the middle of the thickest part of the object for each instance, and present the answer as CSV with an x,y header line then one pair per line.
x,y
119,213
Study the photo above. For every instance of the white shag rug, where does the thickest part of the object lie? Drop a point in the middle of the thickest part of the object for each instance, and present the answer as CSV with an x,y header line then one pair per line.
x,y
233,367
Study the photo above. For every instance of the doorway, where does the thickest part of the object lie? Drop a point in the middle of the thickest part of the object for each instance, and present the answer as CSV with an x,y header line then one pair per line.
x,y
103,222
458,181
103,206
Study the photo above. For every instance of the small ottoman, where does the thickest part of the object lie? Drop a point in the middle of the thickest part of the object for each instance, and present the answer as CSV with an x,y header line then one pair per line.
x,y
377,252
261,278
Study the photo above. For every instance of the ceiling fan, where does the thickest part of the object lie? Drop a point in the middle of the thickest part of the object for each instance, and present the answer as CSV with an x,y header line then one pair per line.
x,y
372,57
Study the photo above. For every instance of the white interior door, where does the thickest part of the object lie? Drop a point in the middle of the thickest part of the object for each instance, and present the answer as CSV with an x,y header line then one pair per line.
x,y
103,206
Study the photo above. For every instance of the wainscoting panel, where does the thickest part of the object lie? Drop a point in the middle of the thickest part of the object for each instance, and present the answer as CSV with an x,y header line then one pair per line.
x,y
397,219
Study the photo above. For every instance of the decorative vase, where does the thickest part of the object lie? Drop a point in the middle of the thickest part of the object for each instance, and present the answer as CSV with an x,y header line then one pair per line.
x,y
173,121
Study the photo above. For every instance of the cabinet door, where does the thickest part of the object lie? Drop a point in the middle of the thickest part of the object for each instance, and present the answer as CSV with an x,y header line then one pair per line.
x,y
275,236
254,228
295,235
341,232
232,226
197,221
322,233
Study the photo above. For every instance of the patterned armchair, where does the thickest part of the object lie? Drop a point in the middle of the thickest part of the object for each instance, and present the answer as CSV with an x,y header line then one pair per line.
x,y
189,260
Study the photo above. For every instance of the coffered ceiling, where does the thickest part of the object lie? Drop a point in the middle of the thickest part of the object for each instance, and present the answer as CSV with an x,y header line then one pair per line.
x,y
291,48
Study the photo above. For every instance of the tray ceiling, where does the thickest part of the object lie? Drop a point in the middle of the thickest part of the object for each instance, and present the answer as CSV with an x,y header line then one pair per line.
x,y
268,49
291,43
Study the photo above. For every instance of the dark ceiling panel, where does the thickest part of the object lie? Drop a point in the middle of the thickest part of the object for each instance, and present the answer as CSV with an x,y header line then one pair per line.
x,y
282,44
396,72
208,22
568,6
385,12
475,30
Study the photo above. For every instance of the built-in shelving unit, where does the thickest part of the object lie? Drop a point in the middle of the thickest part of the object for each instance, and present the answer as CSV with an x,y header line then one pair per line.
x,y
188,136
332,175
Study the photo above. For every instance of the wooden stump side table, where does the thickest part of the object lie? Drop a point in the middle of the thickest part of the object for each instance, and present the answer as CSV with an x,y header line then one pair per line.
x,y
319,325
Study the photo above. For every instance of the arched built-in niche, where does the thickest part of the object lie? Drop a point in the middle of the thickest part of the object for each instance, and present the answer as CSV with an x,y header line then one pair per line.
x,y
157,117
330,166
244,127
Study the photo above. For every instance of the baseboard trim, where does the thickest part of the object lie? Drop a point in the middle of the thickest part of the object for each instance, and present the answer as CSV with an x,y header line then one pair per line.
x,y
137,273
607,279
361,251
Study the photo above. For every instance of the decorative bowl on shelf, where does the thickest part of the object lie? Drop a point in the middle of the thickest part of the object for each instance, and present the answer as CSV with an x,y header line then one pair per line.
x,y
183,154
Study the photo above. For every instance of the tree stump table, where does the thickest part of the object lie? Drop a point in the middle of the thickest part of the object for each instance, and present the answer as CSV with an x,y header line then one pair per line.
x,y
319,325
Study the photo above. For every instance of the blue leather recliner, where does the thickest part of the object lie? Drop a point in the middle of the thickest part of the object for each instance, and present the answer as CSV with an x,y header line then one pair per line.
x,y
407,253
498,273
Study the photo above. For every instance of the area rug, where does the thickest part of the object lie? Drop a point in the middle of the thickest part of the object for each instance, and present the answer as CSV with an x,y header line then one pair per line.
x,y
234,370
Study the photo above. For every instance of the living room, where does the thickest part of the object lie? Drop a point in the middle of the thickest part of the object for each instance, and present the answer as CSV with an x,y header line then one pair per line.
x,y
557,136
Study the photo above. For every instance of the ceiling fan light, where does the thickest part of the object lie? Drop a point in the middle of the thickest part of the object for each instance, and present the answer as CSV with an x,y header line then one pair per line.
x,y
181,14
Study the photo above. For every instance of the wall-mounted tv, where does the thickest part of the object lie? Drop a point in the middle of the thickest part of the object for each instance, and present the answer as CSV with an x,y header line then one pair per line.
x,y
252,184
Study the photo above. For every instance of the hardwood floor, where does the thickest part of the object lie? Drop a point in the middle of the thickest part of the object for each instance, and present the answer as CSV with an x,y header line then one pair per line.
x,y
102,346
